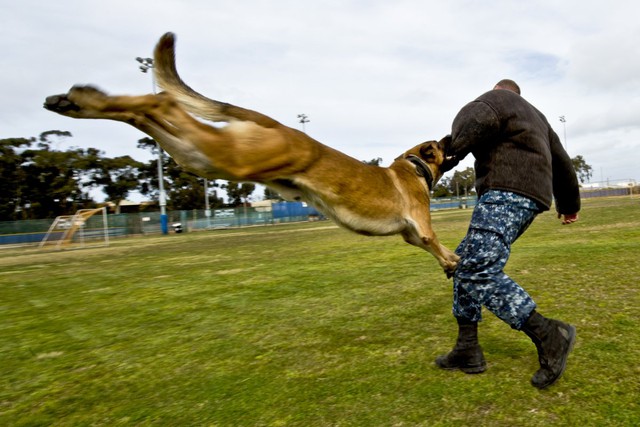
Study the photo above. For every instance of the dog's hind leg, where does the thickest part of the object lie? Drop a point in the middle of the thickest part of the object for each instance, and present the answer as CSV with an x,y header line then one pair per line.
x,y
87,102
239,151
142,112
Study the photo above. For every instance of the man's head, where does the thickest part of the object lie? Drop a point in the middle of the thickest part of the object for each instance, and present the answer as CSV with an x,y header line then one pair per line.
x,y
507,84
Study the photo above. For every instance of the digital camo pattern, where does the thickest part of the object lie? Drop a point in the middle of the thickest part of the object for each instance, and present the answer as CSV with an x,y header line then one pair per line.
x,y
498,219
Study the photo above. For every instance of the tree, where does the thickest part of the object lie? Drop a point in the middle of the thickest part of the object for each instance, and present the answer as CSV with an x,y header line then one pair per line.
x,y
115,176
441,189
118,176
462,182
270,194
149,184
44,136
39,181
51,180
583,170
185,191
237,192
12,202
373,162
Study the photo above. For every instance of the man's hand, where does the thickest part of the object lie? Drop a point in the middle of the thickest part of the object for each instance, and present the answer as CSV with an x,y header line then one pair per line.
x,y
449,163
568,218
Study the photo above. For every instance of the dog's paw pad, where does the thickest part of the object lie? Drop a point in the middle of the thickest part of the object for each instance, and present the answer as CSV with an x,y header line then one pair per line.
x,y
60,104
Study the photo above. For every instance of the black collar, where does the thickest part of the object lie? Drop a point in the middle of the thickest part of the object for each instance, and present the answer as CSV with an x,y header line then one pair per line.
x,y
422,169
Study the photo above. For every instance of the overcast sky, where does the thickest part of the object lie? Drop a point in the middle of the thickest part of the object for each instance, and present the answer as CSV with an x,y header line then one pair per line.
x,y
374,77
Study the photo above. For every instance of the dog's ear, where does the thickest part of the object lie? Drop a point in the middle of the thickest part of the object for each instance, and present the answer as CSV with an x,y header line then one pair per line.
x,y
428,151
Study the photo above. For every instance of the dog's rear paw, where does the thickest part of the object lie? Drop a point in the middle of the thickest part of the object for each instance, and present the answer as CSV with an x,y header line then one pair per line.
x,y
78,98
60,104
86,91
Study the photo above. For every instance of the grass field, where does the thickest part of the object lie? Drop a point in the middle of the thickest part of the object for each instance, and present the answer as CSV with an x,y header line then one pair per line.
x,y
309,325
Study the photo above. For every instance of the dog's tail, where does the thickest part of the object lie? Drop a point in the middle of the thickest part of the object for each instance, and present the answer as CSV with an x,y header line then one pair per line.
x,y
168,79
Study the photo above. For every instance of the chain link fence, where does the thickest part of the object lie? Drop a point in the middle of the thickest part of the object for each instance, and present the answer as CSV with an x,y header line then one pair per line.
x,y
31,232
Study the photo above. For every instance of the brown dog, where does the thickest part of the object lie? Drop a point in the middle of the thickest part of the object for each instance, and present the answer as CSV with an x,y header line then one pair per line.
x,y
366,199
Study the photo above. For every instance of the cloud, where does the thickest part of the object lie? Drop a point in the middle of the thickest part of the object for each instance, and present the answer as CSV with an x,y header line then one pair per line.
x,y
374,77
608,63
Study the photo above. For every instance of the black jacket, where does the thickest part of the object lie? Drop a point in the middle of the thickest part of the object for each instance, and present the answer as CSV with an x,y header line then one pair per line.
x,y
515,150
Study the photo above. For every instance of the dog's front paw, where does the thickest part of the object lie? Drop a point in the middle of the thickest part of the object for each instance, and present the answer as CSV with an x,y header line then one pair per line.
x,y
449,270
449,273
450,264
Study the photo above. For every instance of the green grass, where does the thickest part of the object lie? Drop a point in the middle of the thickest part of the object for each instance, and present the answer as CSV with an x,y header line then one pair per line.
x,y
309,325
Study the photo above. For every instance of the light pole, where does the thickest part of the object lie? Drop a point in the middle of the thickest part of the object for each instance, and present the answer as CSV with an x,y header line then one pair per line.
x,y
145,65
303,119
207,209
564,124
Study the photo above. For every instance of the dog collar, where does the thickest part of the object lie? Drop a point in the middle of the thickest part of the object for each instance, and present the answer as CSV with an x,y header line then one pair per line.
x,y
422,169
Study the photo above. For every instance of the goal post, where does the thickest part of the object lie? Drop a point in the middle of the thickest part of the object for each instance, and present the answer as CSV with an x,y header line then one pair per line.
x,y
82,227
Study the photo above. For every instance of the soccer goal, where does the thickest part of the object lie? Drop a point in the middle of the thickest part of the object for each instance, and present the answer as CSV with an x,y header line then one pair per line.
x,y
86,226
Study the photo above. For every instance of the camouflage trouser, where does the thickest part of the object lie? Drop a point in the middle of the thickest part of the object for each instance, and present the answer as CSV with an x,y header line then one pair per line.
x,y
498,220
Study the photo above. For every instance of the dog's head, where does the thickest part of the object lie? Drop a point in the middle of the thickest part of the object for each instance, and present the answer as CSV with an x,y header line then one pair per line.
x,y
428,158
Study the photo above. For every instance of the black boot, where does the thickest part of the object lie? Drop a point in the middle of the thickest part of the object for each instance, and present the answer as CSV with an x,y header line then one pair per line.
x,y
467,353
554,340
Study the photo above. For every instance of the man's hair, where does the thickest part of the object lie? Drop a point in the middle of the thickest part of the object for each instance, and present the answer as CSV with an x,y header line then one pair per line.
x,y
508,85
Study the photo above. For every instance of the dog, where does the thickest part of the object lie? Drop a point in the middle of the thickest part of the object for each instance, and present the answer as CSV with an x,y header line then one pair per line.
x,y
253,147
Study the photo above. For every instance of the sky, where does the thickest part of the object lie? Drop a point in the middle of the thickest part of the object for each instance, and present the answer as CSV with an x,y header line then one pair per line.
x,y
373,77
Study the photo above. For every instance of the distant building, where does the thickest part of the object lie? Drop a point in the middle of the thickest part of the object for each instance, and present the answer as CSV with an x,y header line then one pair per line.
x,y
127,206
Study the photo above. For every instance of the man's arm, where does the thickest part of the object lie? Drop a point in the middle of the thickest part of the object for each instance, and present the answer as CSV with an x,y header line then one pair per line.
x,y
566,190
475,124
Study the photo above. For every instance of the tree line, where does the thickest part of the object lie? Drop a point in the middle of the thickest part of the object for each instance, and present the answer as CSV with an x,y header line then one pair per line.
x,y
38,181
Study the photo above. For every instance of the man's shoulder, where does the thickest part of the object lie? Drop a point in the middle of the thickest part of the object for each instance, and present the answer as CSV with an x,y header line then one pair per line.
x,y
506,103
501,96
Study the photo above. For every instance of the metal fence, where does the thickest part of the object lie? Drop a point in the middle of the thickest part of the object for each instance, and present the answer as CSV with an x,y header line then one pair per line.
x,y
608,192
31,232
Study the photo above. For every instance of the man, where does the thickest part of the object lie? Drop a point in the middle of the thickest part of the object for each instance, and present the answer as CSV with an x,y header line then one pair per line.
x,y
520,164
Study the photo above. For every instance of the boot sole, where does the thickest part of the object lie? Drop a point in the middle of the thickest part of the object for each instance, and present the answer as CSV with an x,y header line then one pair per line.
x,y
572,341
466,369
474,370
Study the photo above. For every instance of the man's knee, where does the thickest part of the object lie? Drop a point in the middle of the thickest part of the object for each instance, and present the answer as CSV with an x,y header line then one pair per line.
x,y
485,254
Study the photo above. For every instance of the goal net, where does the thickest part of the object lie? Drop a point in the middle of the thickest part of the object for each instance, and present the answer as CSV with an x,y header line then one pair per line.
x,y
85,227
